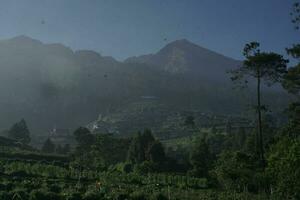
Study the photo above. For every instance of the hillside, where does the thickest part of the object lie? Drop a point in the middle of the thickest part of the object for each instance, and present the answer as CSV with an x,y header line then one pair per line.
x,y
52,85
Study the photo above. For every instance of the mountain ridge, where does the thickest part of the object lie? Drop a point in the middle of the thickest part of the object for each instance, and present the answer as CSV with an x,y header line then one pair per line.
x,y
52,85
24,39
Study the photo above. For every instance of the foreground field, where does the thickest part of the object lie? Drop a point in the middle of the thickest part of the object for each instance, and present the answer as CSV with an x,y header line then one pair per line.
x,y
26,175
37,181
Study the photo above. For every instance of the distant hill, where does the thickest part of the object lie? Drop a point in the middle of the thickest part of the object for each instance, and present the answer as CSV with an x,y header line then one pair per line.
x,y
51,85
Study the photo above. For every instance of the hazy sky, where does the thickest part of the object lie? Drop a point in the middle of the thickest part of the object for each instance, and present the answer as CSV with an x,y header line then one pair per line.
x,y
123,28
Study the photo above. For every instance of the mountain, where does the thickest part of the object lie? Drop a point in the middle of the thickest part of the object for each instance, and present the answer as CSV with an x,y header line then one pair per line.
x,y
40,82
184,57
50,85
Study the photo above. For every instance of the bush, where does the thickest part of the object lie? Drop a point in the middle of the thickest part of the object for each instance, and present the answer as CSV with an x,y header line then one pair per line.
x,y
283,168
43,195
123,167
72,195
127,167
55,189
138,196
20,173
19,194
236,170
122,196
158,196
92,195
144,168
5,195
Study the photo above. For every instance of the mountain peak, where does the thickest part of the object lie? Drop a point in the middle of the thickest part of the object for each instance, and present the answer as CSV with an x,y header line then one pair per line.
x,y
187,46
183,56
181,41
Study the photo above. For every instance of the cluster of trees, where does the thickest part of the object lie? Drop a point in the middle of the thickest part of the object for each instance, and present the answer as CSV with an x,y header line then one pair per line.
x,y
144,147
20,132
98,150
101,151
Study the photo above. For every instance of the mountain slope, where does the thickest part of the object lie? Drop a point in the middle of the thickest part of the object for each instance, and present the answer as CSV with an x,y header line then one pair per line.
x,y
51,85
42,83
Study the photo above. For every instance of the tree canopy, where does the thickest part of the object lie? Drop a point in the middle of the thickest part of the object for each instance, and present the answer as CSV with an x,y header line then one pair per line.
x,y
262,66
20,132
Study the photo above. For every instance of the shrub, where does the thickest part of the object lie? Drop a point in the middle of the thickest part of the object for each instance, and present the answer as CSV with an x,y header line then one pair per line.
x,y
122,196
158,196
123,167
127,167
55,188
138,196
73,196
19,194
144,168
5,195
92,195
43,195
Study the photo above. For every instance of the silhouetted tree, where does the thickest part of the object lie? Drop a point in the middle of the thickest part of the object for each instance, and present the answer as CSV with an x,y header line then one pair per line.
x,y
84,138
292,79
296,15
136,152
147,139
144,147
111,149
156,153
268,67
20,132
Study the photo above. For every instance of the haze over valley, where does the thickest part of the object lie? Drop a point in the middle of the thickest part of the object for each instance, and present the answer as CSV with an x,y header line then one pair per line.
x,y
51,85
149,100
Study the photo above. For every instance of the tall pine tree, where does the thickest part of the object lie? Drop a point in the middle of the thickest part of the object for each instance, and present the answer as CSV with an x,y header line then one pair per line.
x,y
262,66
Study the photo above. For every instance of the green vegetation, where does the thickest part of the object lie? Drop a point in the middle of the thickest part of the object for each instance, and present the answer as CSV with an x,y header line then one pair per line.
x,y
269,67
103,166
215,159
19,131
210,163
